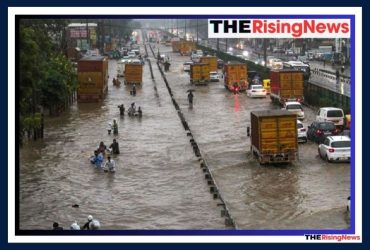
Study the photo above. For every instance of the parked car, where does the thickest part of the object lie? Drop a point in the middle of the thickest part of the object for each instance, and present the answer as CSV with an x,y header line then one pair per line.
x,y
186,66
334,115
289,52
317,131
131,54
294,107
336,148
302,132
276,63
256,91
214,76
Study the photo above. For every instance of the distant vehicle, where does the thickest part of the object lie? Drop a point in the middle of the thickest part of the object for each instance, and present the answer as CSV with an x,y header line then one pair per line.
x,y
276,63
286,86
278,50
186,66
289,52
331,114
136,51
298,65
294,107
230,53
235,76
302,132
199,52
131,54
336,148
260,61
214,76
318,131
256,91
220,64
269,60
267,85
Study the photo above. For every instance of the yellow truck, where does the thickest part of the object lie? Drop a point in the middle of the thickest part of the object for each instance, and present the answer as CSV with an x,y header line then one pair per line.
x,y
186,47
199,73
175,46
286,85
235,76
133,73
274,136
92,75
211,61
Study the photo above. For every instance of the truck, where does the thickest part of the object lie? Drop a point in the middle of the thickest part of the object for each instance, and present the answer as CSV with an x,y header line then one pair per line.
x,y
199,73
211,61
186,47
274,136
92,75
175,46
235,76
286,85
133,72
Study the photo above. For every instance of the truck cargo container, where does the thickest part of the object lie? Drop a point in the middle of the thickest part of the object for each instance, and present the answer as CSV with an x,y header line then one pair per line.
x,y
211,61
92,74
175,46
274,136
286,85
199,73
186,47
133,73
235,76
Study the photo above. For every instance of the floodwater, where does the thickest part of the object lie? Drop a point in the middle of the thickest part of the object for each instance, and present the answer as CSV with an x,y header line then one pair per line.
x,y
158,183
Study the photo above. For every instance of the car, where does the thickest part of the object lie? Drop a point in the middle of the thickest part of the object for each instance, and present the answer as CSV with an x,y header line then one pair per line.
x,y
294,107
214,76
186,66
289,52
220,64
302,132
317,131
336,148
131,54
269,60
278,50
256,91
332,114
260,61
276,63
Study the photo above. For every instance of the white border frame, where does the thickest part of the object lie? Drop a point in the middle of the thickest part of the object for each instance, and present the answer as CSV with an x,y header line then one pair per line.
x,y
13,11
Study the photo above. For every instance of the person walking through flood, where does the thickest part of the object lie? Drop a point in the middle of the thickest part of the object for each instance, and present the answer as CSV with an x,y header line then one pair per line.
x,y
114,147
190,98
115,127
110,165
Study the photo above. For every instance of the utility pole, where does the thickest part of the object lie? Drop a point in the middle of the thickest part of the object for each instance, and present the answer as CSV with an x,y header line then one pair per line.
x,y
185,30
197,30
87,34
265,50
218,44
177,27
227,49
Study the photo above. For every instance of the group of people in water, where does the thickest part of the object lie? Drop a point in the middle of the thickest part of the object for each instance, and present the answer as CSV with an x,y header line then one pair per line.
x,y
132,111
91,224
98,158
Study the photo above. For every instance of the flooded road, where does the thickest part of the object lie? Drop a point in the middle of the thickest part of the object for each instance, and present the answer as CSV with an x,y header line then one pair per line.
x,y
309,194
158,183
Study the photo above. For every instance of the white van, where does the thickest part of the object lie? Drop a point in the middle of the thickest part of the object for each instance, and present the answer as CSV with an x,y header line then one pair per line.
x,y
334,115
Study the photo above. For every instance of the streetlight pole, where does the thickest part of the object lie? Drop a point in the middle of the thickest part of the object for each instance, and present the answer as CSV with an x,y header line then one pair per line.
x,y
185,30
197,30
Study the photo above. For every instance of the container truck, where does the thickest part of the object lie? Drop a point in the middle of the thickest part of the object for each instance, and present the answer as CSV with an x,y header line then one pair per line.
x,y
199,73
92,74
235,76
274,136
186,47
133,73
286,85
211,61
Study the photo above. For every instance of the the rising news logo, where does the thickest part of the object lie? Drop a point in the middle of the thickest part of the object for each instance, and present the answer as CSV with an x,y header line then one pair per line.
x,y
279,28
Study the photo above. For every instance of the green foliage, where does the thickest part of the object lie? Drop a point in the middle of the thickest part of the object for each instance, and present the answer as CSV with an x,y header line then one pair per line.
x,y
46,77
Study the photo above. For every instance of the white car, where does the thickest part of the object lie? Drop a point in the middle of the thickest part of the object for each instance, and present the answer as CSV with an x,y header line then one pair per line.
x,y
296,108
131,54
336,148
256,91
186,66
302,132
276,63
335,115
214,76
